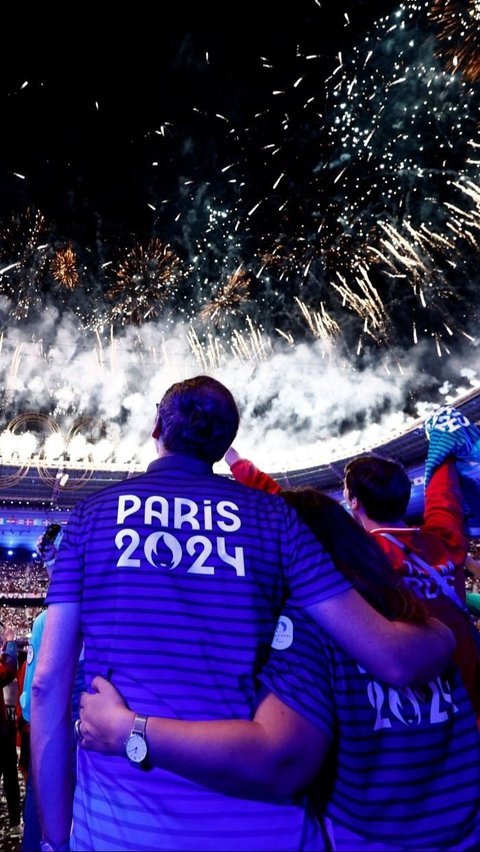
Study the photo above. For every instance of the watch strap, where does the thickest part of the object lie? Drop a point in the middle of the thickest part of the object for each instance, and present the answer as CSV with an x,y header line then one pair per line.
x,y
139,724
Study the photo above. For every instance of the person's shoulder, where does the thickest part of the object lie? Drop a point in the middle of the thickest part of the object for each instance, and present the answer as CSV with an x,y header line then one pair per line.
x,y
102,495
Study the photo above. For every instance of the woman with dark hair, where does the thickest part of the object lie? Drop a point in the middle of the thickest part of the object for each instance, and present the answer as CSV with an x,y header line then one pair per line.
x,y
385,769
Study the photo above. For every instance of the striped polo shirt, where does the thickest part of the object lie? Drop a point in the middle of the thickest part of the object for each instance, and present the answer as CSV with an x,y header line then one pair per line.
x,y
404,768
181,574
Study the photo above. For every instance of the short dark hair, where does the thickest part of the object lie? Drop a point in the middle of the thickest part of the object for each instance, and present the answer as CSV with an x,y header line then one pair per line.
x,y
382,486
198,417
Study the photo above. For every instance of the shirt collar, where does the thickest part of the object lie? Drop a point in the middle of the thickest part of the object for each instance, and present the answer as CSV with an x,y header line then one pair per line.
x,y
179,461
395,530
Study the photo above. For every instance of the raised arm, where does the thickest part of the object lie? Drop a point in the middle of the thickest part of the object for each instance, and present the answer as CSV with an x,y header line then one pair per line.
x,y
244,471
444,513
274,756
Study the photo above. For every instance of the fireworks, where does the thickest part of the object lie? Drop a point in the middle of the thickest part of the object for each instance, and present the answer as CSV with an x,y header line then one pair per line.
x,y
228,300
340,202
321,325
459,33
143,283
64,267
23,245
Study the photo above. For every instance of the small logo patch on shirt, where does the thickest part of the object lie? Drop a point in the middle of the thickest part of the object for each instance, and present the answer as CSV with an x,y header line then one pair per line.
x,y
30,654
283,633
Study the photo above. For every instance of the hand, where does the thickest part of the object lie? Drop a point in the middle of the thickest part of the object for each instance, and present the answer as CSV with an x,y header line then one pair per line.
x,y
105,720
9,634
231,456
47,550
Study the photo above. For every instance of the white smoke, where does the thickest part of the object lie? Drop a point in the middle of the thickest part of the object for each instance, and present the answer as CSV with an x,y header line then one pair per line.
x,y
298,408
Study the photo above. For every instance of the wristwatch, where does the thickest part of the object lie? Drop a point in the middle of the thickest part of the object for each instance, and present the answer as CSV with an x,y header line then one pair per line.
x,y
136,744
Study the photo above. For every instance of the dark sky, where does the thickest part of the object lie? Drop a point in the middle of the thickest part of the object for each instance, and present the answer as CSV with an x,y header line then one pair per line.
x,y
141,69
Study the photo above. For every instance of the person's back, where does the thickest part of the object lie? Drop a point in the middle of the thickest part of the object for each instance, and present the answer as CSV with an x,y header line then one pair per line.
x,y
181,575
378,491
404,772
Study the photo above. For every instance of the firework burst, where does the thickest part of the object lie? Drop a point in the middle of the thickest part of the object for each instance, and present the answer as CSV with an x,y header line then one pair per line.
x,y
228,300
331,202
144,282
63,267
23,254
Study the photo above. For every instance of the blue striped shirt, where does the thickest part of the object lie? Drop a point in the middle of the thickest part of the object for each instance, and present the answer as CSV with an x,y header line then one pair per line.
x,y
405,764
181,575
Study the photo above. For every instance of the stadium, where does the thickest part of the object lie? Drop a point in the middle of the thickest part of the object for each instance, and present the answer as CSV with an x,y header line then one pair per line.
x,y
35,492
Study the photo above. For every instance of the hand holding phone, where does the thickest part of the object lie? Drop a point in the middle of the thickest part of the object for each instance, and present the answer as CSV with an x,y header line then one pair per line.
x,y
46,543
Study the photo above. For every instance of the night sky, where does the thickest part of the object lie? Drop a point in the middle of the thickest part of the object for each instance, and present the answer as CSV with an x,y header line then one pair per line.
x,y
82,100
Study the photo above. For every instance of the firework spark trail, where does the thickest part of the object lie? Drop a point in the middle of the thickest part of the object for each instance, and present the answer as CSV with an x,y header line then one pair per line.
x,y
321,324
251,346
368,306
228,299
210,355
23,238
458,26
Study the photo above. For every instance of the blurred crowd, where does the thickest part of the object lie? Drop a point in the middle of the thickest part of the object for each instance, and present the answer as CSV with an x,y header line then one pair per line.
x,y
20,581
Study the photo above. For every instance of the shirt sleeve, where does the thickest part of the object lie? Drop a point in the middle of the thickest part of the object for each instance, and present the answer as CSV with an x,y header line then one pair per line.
x,y
66,584
32,656
10,652
444,514
299,670
245,471
310,572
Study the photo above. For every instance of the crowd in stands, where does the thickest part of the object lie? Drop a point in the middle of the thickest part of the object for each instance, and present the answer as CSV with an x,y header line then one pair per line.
x,y
23,579
20,581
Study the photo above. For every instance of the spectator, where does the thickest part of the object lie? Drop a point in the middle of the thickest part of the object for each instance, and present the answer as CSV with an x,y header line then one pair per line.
x,y
176,578
8,733
378,491
472,565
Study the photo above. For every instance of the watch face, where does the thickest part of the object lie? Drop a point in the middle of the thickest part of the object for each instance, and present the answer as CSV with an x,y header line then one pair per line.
x,y
136,748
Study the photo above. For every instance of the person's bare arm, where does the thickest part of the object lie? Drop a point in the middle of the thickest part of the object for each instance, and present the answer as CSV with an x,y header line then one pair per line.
x,y
400,653
275,755
51,721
